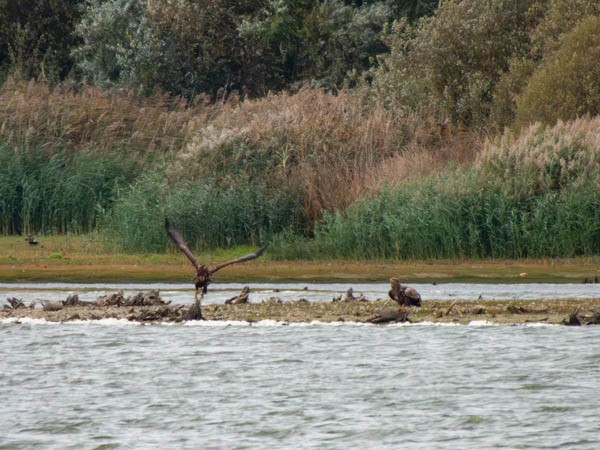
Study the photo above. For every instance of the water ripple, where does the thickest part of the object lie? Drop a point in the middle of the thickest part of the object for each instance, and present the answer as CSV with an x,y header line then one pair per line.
x,y
105,385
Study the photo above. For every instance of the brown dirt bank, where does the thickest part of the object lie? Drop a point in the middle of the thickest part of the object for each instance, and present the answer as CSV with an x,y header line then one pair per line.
x,y
572,312
356,271
85,259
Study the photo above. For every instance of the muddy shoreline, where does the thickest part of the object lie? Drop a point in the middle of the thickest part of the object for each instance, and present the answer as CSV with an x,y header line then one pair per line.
x,y
154,310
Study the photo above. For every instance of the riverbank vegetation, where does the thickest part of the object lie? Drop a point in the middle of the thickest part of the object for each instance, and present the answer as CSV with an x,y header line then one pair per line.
x,y
350,130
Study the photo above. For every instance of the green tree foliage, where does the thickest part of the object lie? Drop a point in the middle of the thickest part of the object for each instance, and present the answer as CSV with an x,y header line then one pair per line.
x,y
118,46
36,37
340,40
187,47
566,85
450,62
190,46
273,38
413,9
200,47
558,17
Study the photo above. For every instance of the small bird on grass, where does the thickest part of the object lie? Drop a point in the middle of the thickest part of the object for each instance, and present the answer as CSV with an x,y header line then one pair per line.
x,y
31,240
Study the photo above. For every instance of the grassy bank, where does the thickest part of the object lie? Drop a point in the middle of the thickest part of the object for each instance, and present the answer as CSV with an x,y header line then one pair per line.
x,y
84,258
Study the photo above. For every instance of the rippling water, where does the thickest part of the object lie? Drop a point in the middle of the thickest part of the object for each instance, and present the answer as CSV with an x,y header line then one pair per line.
x,y
115,384
219,292
111,384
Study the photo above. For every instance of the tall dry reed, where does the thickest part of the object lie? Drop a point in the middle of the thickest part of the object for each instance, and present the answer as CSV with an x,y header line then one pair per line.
x,y
543,158
534,195
34,113
332,148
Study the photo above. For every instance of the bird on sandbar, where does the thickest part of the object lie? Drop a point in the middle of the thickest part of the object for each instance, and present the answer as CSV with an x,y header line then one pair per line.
x,y
204,273
403,295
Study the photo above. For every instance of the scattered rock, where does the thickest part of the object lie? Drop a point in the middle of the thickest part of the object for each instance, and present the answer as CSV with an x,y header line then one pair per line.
x,y
450,308
52,306
153,315
149,298
478,309
73,301
194,312
514,309
350,297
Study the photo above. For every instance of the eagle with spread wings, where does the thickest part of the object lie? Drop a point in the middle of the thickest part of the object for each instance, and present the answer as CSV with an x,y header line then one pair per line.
x,y
204,273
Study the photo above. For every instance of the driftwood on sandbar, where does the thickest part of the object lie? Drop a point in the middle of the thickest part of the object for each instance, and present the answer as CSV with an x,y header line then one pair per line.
x,y
389,315
241,298
349,297
14,303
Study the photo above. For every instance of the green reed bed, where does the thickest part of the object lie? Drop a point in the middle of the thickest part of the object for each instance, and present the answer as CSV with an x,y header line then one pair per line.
x,y
59,192
535,195
416,222
209,215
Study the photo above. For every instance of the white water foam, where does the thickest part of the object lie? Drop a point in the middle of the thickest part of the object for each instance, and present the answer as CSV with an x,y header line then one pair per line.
x,y
267,323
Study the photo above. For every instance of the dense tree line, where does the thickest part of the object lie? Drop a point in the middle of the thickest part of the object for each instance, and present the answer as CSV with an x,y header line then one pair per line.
x,y
187,47
468,62
464,61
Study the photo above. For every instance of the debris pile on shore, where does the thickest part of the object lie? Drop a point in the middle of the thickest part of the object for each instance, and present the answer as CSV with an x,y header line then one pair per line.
x,y
148,307
578,318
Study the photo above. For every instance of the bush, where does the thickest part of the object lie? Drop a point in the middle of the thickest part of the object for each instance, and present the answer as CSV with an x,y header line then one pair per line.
x,y
567,83
36,37
450,63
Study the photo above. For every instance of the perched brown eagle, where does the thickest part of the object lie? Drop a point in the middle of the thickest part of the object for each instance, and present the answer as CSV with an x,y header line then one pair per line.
x,y
203,273
403,295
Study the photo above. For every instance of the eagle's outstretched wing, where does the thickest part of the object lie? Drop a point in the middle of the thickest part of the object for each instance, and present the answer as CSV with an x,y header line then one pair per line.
x,y
247,257
180,242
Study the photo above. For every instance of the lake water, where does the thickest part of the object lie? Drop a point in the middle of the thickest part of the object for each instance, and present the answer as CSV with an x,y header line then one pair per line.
x,y
222,385
219,292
